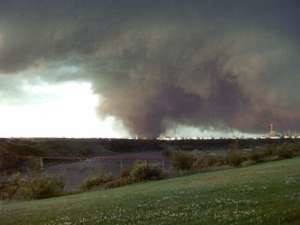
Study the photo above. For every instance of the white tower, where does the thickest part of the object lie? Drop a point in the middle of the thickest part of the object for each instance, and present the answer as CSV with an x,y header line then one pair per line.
x,y
272,131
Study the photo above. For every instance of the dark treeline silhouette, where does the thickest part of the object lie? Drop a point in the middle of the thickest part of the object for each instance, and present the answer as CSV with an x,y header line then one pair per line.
x,y
69,147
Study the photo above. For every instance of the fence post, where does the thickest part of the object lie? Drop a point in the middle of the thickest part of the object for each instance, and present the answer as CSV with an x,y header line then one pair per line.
x,y
41,163
163,164
121,164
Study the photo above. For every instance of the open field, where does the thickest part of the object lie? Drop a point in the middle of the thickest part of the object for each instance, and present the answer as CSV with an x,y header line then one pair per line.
x,y
266,194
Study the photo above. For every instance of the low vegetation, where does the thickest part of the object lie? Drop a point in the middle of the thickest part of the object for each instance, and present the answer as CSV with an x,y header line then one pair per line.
x,y
182,160
96,181
265,194
195,161
9,161
139,172
38,186
30,187
145,172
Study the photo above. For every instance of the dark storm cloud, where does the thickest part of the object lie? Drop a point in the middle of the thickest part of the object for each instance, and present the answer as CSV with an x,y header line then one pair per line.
x,y
200,63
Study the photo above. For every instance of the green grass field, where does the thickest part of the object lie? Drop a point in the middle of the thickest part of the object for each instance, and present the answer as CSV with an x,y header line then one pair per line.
x,y
267,194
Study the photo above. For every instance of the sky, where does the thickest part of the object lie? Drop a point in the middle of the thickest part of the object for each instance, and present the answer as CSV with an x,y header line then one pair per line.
x,y
136,68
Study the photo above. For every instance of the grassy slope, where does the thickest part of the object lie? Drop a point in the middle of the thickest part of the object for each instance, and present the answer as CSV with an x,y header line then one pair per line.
x,y
262,194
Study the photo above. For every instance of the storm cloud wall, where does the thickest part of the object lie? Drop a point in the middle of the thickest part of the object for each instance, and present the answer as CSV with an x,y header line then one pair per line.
x,y
161,63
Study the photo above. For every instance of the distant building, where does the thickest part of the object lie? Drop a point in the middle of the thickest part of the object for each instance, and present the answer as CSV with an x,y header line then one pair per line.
x,y
273,134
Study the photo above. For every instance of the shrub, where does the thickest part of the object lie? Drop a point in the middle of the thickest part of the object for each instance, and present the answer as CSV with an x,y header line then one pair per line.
x,y
34,164
284,152
210,160
257,156
248,163
35,187
235,158
167,153
96,181
296,149
182,160
206,161
9,161
216,160
199,162
40,187
270,150
125,172
118,182
9,187
142,172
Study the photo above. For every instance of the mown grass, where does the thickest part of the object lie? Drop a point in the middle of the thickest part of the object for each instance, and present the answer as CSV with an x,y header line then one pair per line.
x,y
266,194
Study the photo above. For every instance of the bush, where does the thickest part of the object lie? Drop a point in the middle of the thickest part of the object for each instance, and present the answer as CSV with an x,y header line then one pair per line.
x,y
139,172
257,156
40,187
35,187
235,158
217,160
96,181
248,163
9,187
199,162
284,152
182,160
142,172
270,150
167,153
34,164
125,172
9,161
118,182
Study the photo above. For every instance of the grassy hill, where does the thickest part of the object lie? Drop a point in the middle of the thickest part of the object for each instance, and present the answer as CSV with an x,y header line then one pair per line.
x,y
265,194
